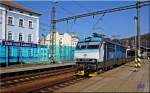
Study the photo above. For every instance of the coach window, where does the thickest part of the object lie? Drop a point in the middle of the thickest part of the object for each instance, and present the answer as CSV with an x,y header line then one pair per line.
x,y
20,22
9,35
20,36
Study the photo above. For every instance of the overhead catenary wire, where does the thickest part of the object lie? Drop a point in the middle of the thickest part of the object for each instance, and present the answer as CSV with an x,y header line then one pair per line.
x,y
45,25
67,11
143,3
98,20
70,12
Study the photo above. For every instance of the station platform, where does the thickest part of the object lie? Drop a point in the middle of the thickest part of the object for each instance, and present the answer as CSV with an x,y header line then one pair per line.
x,y
26,67
120,79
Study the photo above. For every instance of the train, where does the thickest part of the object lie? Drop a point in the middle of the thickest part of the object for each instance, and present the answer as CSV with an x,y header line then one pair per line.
x,y
95,54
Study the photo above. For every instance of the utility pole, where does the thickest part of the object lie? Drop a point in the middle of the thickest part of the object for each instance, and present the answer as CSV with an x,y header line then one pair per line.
x,y
138,35
135,41
53,32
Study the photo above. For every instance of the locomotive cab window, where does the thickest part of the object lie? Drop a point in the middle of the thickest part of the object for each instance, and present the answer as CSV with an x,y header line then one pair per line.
x,y
83,46
92,46
80,47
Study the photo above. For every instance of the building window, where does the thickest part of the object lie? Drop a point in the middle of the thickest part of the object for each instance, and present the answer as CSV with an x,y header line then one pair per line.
x,y
20,22
9,35
29,38
20,36
11,9
30,24
10,20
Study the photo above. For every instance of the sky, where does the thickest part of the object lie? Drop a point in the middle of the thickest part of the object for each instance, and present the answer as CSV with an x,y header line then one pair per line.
x,y
120,24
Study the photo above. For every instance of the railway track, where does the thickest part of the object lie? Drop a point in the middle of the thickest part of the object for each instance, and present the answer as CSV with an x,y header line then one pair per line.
x,y
5,82
56,85
28,82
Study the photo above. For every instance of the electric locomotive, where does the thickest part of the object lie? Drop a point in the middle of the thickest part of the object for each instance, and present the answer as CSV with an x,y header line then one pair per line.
x,y
94,54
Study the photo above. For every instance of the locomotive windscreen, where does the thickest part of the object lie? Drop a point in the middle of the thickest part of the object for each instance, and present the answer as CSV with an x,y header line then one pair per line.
x,y
92,46
89,43
79,47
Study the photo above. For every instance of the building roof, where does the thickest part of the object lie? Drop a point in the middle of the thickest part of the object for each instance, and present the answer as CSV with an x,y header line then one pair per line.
x,y
11,4
75,37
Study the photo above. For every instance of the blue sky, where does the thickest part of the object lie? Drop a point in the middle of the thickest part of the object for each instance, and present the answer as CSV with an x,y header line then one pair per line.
x,y
118,23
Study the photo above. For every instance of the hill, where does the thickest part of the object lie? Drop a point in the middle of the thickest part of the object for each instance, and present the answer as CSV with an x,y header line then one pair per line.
x,y
145,38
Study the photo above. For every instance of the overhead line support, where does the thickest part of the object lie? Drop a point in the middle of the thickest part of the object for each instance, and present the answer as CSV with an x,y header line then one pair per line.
x,y
143,3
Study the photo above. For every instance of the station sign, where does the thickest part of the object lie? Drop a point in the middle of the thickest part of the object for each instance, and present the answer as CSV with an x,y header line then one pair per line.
x,y
18,44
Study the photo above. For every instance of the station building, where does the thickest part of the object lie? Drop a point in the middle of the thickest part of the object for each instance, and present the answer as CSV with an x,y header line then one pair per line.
x,y
18,23
19,33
